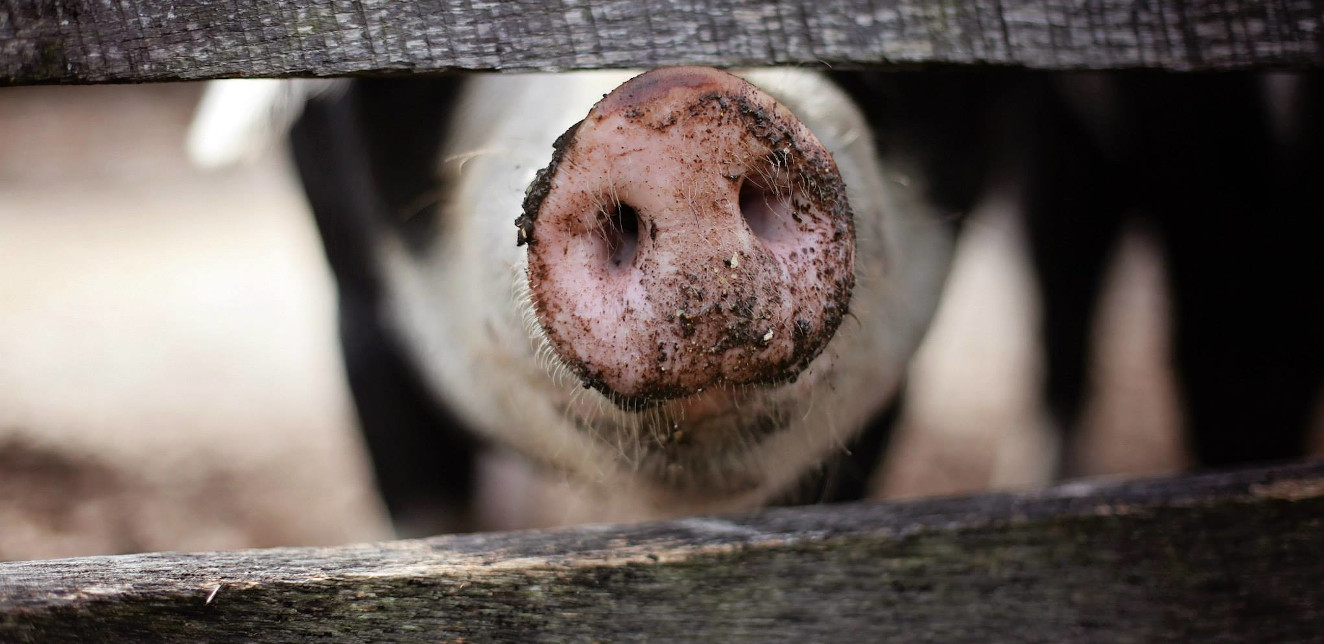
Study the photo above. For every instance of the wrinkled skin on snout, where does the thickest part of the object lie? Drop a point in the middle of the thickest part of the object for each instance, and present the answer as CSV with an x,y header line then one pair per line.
x,y
719,281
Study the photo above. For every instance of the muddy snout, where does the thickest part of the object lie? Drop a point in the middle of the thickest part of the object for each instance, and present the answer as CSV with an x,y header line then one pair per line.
x,y
689,232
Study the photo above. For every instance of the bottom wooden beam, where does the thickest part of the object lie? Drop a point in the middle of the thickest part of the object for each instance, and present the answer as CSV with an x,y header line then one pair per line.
x,y
1235,557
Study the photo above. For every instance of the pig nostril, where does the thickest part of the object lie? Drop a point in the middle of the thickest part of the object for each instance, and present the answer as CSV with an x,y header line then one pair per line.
x,y
622,232
763,209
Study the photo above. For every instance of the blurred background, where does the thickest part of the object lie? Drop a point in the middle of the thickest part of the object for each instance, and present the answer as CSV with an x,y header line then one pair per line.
x,y
170,377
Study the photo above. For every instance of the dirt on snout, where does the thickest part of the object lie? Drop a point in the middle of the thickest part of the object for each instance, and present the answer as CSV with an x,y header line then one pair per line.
x,y
742,238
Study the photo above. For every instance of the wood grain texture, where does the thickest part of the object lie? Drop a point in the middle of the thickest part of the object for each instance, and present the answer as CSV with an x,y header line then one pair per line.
x,y
1234,557
94,41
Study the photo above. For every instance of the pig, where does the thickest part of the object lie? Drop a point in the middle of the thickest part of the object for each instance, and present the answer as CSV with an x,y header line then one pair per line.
x,y
1224,170
683,291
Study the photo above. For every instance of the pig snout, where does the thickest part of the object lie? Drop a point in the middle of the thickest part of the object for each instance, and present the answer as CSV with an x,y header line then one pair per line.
x,y
689,232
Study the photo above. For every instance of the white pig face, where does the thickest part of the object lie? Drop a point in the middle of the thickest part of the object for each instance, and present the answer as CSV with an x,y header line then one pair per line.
x,y
466,309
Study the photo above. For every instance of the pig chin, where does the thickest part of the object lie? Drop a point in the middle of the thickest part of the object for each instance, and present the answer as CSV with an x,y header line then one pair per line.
x,y
706,443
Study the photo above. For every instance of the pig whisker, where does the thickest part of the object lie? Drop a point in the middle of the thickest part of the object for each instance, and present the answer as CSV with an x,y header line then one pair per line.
x,y
809,408
598,218
625,447
774,188
658,422
849,137
611,190
688,194
839,445
423,203
544,355
778,165
606,201
461,158
576,400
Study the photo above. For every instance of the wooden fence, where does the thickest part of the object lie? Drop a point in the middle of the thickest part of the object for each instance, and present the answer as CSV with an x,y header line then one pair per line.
x,y
1231,557
96,41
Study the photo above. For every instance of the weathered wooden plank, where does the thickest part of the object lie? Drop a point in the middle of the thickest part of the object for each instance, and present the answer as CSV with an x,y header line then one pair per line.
x,y
92,41
1235,557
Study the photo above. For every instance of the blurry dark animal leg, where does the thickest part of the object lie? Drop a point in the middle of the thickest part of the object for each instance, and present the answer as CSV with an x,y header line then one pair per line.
x,y
1243,224
422,458
1075,200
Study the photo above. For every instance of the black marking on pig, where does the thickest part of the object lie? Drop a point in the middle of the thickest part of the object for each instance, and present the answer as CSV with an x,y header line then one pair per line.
x,y
366,158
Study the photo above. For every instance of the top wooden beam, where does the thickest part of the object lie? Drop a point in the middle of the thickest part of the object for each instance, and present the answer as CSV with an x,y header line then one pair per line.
x,y
124,41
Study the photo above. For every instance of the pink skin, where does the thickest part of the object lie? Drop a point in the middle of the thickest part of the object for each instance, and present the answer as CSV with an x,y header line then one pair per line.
x,y
690,232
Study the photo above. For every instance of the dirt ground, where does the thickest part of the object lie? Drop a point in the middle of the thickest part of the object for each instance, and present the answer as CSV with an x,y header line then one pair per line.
x,y
169,374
